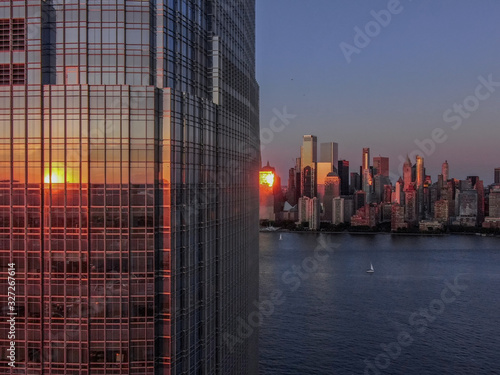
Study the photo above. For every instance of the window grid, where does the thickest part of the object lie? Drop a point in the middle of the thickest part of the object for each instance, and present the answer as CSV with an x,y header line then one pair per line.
x,y
4,35
16,76
16,28
18,34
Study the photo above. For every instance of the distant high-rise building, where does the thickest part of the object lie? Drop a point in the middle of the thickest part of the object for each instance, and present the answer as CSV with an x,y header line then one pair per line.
x,y
407,173
398,218
367,216
343,171
367,175
348,208
387,194
442,211
420,172
332,190
338,211
125,136
411,206
419,182
329,153
379,187
355,183
366,159
291,192
440,185
270,194
298,180
323,169
497,175
309,212
398,194
359,200
493,219
478,185
494,203
381,166
467,208
308,166
445,171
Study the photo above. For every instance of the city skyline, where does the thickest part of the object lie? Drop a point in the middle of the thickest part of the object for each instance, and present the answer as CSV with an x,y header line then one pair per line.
x,y
395,92
370,199
388,169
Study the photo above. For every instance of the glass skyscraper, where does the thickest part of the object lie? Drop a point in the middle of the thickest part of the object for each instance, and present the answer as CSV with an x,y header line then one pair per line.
x,y
129,164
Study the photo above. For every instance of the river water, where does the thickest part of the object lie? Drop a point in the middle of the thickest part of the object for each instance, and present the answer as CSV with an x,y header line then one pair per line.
x,y
432,306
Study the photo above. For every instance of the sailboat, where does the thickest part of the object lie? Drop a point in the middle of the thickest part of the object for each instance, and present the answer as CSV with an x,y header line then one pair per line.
x,y
281,236
371,270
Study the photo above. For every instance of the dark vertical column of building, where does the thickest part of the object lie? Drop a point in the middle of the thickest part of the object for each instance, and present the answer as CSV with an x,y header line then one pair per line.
x,y
291,194
343,168
236,93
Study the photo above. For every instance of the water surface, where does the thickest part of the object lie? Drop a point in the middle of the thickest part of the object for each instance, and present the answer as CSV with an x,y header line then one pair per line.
x,y
335,317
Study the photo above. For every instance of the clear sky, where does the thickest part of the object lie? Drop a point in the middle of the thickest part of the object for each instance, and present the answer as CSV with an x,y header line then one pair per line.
x,y
396,89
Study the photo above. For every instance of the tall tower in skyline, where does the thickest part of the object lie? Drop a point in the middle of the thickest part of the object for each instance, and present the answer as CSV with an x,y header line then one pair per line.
x,y
446,171
343,169
420,172
497,175
308,167
407,173
332,190
124,138
329,153
366,159
419,185
381,165
367,174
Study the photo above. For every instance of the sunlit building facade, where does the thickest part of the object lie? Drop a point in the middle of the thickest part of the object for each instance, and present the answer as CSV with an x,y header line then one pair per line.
x,y
129,184
381,166
308,166
367,175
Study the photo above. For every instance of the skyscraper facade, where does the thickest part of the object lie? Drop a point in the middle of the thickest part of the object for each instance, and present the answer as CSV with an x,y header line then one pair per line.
x,y
381,165
407,173
308,166
366,159
129,181
329,153
332,190
367,175
343,168
497,175
445,171
420,172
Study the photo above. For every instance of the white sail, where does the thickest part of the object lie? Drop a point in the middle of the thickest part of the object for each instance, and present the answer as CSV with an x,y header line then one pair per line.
x,y
371,270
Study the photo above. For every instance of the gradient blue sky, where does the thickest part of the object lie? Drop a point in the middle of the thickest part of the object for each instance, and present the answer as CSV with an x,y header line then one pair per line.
x,y
394,92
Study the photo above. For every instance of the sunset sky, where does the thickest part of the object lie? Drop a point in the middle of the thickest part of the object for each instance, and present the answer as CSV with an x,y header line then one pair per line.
x,y
395,91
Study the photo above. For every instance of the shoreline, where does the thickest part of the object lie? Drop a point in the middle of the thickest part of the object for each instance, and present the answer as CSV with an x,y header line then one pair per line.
x,y
375,233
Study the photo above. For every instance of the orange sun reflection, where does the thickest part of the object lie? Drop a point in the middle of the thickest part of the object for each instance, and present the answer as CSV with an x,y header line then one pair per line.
x,y
56,176
267,178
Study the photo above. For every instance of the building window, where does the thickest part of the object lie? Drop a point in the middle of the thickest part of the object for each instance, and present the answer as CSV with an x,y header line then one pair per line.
x,y
4,74
18,34
18,74
72,75
4,35
16,28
